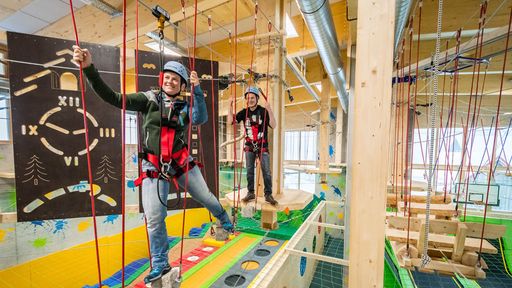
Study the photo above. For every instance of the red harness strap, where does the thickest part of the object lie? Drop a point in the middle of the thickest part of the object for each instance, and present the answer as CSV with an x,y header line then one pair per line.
x,y
177,160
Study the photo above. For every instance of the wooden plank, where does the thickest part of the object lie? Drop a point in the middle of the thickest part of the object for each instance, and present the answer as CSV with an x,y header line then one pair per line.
x,y
492,231
319,257
446,210
369,122
460,240
421,240
446,267
436,199
437,226
471,244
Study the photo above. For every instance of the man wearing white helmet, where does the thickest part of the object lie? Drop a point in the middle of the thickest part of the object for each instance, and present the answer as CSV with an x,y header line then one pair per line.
x,y
164,122
256,122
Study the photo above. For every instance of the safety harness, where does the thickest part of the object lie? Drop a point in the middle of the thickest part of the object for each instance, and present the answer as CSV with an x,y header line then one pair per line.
x,y
170,166
255,144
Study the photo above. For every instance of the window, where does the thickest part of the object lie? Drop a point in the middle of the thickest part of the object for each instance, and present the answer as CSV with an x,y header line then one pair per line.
x,y
5,115
3,63
300,145
131,128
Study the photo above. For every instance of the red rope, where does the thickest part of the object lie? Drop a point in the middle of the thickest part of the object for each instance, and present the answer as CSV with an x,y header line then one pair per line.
x,y
192,68
407,161
453,109
123,150
89,171
395,150
442,131
478,54
495,137
465,131
235,47
139,146
214,122
402,170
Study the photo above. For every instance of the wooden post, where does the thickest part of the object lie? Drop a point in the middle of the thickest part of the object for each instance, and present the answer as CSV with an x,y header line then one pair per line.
x,y
460,240
341,136
369,120
420,245
323,137
275,93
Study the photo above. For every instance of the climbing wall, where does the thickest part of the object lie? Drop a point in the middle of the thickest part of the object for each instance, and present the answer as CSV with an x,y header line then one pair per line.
x,y
48,131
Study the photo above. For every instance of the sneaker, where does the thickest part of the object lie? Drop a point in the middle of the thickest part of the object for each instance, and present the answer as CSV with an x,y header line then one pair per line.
x,y
228,227
156,273
249,197
269,199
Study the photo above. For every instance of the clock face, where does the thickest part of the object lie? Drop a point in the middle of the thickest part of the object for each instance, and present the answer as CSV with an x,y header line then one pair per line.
x,y
65,122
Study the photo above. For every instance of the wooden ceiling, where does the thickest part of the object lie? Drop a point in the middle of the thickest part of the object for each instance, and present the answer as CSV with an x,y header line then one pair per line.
x,y
98,27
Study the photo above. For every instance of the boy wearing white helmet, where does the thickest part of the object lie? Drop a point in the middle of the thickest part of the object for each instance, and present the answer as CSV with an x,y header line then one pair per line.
x,y
256,120
164,122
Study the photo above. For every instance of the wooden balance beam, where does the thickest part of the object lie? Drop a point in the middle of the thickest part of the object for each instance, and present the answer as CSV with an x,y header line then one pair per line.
x,y
439,210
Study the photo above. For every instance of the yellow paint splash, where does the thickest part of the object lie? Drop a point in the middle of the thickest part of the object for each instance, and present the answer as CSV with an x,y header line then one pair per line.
x,y
340,216
82,226
2,235
325,187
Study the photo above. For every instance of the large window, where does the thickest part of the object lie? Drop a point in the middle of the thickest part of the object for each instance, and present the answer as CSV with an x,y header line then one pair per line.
x,y
131,128
5,123
3,62
479,145
300,145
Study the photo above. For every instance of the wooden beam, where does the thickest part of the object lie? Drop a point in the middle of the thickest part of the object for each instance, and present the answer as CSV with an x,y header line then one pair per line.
x,y
460,240
318,257
499,33
323,138
175,17
369,120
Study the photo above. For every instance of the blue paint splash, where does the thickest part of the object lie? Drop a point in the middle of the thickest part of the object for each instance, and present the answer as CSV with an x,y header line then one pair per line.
x,y
111,218
303,262
332,116
37,223
131,184
134,158
331,151
336,191
322,195
60,226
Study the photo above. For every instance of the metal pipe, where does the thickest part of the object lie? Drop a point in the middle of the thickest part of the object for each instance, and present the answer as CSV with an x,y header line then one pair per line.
x,y
318,18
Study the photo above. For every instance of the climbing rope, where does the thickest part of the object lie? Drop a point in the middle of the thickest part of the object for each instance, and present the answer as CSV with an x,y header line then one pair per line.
x,y
493,153
123,151
87,148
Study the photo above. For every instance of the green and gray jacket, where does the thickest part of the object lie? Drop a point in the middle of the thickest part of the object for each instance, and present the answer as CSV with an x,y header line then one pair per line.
x,y
148,104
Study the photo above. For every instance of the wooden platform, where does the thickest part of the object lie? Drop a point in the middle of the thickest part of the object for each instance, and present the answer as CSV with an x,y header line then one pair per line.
x,y
313,170
293,199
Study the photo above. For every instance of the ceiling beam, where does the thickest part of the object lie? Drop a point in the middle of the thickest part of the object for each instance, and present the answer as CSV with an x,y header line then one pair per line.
x,y
175,17
488,38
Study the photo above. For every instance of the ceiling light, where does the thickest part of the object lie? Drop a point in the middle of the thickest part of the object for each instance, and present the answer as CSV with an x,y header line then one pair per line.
x,y
170,47
290,29
156,47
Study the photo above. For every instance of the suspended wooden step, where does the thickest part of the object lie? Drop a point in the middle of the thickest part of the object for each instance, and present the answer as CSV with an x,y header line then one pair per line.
x,y
293,199
452,245
436,199
439,210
